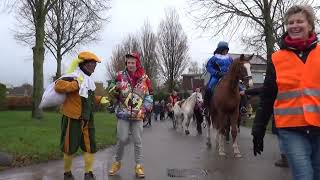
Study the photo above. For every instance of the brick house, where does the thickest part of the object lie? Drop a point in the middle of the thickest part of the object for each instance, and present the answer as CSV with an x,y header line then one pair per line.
x,y
192,81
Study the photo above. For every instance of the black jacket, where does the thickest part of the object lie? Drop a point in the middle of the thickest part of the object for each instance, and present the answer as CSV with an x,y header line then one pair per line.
x,y
254,91
269,94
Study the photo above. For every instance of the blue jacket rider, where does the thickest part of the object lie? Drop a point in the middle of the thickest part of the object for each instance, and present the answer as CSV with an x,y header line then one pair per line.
x,y
218,65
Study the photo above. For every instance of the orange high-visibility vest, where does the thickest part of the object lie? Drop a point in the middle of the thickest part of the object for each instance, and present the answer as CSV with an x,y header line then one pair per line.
x,y
298,100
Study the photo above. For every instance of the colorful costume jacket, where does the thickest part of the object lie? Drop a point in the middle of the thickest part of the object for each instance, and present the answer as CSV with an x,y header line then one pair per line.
x,y
131,99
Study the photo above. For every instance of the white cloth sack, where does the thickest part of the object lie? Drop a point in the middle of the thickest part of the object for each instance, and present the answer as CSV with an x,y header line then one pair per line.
x,y
51,98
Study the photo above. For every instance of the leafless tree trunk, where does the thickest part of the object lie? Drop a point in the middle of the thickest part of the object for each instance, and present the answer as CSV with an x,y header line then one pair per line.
x,y
34,13
259,23
172,49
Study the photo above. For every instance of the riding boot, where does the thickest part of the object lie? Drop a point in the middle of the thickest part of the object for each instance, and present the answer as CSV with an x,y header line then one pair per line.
x,y
206,101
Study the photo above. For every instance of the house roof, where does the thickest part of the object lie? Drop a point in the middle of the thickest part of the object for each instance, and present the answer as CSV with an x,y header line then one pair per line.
x,y
257,59
23,90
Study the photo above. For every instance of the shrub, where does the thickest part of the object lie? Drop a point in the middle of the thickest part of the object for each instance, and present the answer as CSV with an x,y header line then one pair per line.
x,y
160,96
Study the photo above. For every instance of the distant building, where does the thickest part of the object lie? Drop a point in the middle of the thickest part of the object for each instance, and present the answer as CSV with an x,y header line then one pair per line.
x,y
24,90
192,81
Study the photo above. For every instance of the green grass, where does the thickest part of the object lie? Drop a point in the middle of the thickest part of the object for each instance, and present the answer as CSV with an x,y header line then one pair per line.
x,y
31,141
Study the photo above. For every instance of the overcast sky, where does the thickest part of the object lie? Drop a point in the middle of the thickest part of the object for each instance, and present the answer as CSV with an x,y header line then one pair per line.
x,y
127,16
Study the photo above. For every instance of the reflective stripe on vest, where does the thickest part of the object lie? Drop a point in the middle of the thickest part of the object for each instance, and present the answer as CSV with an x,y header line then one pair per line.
x,y
298,99
297,110
298,93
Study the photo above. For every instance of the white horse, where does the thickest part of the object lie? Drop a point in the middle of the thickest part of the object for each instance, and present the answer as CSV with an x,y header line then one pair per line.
x,y
183,110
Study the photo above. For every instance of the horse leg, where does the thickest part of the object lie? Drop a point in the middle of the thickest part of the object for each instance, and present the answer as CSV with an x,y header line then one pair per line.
x,y
234,132
187,123
227,130
221,142
220,118
175,120
179,122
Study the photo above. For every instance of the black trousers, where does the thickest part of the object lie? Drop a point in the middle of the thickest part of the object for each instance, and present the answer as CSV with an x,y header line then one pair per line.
x,y
199,120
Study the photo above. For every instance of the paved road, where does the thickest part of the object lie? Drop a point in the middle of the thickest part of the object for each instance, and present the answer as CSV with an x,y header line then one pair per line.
x,y
166,150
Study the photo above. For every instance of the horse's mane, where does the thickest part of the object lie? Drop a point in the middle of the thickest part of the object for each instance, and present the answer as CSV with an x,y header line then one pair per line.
x,y
233,72
190,97
185,101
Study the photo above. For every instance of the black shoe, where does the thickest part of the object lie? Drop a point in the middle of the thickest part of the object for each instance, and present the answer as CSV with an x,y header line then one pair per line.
x,y
89,176
68,176
283,162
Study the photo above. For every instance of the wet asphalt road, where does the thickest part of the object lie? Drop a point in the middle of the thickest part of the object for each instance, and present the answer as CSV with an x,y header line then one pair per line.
x,y
166,149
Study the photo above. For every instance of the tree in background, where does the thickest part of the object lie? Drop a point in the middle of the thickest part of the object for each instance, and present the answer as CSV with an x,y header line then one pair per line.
x,y
172,49
148,42
116,63
34,13
32,16
69,24
72,23
194,68
259,23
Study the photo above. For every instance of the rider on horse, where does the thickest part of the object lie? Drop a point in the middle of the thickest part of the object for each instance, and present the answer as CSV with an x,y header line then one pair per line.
x,y
173,98
218,66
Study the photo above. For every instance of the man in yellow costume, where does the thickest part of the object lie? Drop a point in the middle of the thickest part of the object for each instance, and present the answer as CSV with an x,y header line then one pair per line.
x,y
77,125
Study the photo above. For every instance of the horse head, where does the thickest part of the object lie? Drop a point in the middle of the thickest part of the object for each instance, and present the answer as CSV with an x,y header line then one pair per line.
x,y
247,78
198,99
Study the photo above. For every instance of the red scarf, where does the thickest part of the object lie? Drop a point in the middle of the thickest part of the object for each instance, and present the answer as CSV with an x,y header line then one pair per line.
x,y
300,44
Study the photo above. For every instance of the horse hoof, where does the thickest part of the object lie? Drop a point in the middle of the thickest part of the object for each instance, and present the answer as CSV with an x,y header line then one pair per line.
x,y
238,155
187,132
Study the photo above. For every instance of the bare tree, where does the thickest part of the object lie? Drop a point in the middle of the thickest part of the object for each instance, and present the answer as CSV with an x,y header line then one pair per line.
x,y
148,48
116,63
172,49
32,16
34,12
70,23
131,44
260,23
194,68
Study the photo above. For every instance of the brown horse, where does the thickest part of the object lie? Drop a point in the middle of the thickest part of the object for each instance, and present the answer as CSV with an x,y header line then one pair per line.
x,y
224,104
